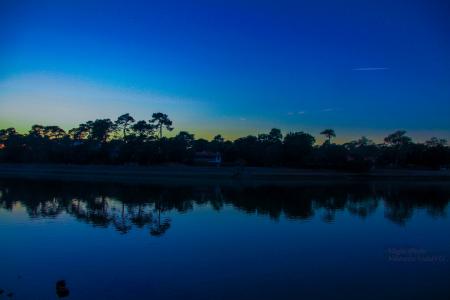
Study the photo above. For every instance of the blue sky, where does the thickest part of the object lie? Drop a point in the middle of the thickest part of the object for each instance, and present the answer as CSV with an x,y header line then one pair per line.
x,y
230,67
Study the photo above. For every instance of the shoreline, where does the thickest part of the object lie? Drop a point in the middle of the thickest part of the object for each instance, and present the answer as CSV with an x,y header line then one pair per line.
x,y
204,175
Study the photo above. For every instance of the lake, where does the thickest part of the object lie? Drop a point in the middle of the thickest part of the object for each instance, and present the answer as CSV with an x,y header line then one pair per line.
x,y
312,240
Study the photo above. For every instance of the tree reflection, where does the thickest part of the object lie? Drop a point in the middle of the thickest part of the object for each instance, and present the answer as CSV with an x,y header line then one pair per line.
x,y
158,228
122,221
139,216
150,207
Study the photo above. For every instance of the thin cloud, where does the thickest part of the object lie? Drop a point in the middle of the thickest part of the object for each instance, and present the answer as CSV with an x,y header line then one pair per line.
x,y
327,109
370,69
291,113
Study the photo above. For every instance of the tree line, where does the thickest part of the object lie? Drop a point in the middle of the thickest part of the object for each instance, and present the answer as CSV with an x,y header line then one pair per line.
x,y
127,141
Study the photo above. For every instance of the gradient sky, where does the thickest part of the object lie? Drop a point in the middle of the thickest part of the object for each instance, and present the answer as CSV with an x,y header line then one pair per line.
x,y
230,67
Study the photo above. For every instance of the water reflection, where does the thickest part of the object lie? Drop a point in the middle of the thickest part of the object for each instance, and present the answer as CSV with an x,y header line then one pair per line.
x,y
127,207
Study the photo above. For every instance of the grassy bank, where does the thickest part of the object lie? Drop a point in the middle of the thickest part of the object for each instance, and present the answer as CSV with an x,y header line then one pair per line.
x,y
202,175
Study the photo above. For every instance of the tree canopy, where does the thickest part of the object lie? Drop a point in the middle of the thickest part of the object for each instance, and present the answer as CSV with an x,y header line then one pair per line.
x,y
126,141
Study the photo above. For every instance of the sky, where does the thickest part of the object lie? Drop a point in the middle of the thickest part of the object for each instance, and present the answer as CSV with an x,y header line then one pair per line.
x,y
230,67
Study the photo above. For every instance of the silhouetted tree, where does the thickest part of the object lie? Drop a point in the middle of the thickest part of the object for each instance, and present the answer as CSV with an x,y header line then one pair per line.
x,y
248,149
201,145
436,154
161,120
218,139
270,148
6,133
80,133
297,147
37,131
398,142
94,142
435,142
101,129
397,138
53,132
143,130
123,122
329,133
181,147
364,141
218,144
275,135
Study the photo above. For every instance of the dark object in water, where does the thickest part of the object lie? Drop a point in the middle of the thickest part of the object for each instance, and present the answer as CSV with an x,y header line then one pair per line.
x,y
61,289
10,295
2,291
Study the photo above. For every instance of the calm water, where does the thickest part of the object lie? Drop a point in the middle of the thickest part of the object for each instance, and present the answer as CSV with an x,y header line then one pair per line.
x,y
352,240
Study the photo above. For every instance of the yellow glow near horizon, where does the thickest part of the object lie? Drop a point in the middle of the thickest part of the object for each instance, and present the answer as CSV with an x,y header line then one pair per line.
x,y
64,101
